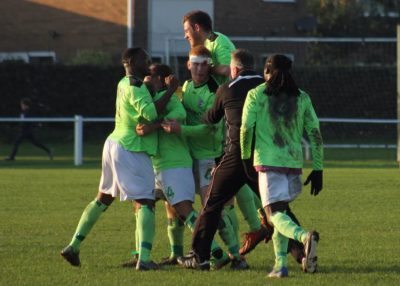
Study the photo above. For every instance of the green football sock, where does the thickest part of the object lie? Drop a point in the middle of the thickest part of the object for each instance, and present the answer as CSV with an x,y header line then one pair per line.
x,y
146,228
89,217
216,250
136,235
245,201
230,211
284,224
176,231
136,250
228,235
190,221
257,201
280,249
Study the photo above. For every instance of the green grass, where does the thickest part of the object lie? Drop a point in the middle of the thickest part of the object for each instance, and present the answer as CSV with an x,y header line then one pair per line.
x,y
41,202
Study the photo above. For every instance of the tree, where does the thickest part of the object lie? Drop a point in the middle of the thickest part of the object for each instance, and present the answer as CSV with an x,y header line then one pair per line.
x,y
353,18
362,18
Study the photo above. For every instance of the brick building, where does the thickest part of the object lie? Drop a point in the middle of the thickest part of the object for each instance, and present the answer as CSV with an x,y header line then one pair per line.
x,y
54,30
41,30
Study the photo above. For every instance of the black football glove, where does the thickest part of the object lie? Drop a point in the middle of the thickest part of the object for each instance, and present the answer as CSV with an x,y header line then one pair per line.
x,y
316,182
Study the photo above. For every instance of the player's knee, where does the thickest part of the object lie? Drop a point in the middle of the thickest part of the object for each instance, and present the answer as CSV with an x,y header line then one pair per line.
x,y
144,202
221,224
203,194
183,209
278,207
105,199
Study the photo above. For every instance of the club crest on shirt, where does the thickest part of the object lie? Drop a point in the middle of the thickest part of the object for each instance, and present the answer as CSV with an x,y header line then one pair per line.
x,y
200,103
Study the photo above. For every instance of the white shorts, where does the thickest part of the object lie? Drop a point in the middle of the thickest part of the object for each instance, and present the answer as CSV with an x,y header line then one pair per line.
x,y
128,173
202,170
177,184
278,187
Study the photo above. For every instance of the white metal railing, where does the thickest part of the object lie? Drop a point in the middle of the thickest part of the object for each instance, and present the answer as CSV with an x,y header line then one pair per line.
x,y
173,39
78,121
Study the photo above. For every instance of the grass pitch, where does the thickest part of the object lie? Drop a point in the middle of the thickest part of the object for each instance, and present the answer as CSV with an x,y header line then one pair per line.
x,y
41,202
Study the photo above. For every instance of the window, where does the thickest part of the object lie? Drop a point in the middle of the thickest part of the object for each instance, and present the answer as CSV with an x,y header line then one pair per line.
x,y
35,57
280,1
157,58
42,57
373,8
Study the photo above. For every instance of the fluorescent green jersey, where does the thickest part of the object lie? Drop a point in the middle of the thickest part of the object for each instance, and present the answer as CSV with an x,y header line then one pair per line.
x,y
134,104
278,140
204,141
221,48
173,151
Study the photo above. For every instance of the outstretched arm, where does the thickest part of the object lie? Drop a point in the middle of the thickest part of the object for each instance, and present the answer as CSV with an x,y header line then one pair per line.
x,y
223,70
173,126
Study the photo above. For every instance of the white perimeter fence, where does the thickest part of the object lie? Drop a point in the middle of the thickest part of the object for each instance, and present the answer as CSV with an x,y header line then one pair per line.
x,y
78,121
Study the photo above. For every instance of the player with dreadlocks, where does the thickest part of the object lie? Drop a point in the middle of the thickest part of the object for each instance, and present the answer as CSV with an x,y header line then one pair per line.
x,y
282,112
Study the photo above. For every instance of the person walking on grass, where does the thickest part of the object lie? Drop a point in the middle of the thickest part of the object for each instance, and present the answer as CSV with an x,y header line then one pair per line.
x,y
27,131
277,112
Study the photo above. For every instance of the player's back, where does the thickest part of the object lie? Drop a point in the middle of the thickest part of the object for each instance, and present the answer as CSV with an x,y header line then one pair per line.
x,y
134,105
280,125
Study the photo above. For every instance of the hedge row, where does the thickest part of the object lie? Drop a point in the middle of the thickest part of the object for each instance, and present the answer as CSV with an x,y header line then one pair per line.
x,y
59,90
360,92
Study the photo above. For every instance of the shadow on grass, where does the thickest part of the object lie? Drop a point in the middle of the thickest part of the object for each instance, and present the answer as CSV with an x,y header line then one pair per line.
x,y
58,163
361,164
389,269
90,163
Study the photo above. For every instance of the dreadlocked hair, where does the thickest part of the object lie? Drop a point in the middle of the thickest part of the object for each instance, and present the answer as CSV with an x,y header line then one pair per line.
x,y
281,89
281,80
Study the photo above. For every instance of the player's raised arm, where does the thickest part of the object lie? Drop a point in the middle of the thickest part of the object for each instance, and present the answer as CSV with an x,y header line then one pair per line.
x,y
172,84
216,112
